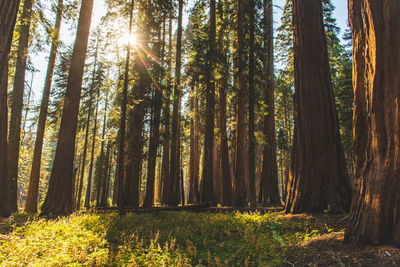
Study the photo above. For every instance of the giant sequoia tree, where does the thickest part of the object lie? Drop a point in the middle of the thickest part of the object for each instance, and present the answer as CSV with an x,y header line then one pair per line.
x,y
8,15
375,211
59,197
318,178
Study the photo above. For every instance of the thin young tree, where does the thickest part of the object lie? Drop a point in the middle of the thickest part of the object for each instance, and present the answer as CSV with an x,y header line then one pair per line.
x,y
33,189
375,211
17,99
8,16
207,194
318,178
269,174
59,196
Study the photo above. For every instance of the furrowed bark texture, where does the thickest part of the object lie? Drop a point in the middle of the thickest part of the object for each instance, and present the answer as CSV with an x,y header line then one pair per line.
x,y
59,196
8,16
318,178
375,211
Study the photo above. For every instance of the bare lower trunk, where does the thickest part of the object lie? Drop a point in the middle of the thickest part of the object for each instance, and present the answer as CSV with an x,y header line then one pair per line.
x,y
375,211
59,196
8,16
318,178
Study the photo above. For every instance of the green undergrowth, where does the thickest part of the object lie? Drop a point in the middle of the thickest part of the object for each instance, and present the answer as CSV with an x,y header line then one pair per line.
x,y
155,239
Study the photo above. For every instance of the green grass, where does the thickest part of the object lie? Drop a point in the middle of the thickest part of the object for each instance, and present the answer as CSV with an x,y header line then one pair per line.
x,y
160,238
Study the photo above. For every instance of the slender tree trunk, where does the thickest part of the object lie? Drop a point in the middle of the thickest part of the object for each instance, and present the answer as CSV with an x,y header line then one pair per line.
x,y
207,195
375,210
59,198
173,197
223,85
33,189
318,178
104,191
166,183
269,168
155,128
239,198
8,16
122,124
94,133
252,171
17,98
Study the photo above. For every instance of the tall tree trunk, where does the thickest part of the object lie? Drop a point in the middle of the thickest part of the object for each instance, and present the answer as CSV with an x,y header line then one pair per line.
x,y
239,198
252,171
222,95
269,173
17,98
155,127
94,135
122,124
192,194
135,140
166,183
207,195
8,16
318,178
33,189
375,210
59,196
173,197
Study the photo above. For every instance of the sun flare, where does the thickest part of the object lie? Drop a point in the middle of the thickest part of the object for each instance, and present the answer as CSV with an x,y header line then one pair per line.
x,y
129,39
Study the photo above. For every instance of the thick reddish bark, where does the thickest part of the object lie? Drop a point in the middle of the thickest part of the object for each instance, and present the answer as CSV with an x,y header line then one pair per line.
x,y
33,189
173,194
59,196
8,15
17,98
239,187
269,174
318,178
375,211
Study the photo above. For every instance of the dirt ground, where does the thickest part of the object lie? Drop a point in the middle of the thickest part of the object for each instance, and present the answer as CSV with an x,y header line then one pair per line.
x,y
330,250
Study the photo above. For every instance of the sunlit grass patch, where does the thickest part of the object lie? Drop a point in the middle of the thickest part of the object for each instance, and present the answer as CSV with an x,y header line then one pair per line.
x,y
159,238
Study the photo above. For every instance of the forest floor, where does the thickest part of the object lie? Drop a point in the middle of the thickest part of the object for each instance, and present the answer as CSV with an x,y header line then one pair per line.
x,y
185,239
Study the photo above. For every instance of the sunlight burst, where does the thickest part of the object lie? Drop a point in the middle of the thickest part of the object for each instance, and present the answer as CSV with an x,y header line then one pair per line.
x,y
129,39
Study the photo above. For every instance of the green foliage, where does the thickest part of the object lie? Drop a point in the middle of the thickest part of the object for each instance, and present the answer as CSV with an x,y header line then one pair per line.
x,y
163,238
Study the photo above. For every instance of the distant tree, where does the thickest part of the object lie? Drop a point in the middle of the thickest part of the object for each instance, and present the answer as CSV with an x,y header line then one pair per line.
x,y
17,99
318,178
8,16
59,196
33,189
375,211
